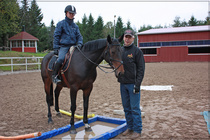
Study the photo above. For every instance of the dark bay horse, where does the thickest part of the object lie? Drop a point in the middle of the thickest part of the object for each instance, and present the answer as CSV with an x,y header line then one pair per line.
x,y
82,73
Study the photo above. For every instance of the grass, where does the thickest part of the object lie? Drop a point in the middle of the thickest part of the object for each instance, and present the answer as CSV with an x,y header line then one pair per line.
x,y
19,61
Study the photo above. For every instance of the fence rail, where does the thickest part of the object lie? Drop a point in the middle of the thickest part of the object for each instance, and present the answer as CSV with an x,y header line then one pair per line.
x,y
36,61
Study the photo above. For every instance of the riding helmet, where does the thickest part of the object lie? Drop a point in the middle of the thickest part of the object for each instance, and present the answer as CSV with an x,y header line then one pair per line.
x,y
70,9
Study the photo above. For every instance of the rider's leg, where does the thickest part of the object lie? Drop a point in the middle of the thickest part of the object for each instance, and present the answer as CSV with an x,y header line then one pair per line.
x,y
55,72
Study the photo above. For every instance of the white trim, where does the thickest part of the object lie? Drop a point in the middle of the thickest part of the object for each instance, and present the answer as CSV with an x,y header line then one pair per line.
x,y
198,53
22,45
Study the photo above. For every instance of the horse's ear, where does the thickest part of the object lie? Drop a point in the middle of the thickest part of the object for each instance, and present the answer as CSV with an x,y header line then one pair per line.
x,y
109,39
121,37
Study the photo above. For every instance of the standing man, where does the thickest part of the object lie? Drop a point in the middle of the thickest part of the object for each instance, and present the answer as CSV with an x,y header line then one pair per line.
x,y
134,66
66,34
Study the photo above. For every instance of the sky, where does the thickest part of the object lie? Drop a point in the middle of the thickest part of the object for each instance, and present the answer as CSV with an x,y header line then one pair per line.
x,y
138,12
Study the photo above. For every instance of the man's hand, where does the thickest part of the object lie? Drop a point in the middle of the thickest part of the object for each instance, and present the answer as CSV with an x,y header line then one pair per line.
x,y
136,89
55,51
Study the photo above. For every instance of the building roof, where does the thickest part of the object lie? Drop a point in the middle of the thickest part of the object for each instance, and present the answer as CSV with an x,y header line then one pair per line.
x,y
176,30
23,36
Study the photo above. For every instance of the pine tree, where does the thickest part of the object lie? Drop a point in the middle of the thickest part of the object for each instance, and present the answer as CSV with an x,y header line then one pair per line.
x,y
51,34
24,15
98,28
192,21
35,19
119,27
83,28
90,28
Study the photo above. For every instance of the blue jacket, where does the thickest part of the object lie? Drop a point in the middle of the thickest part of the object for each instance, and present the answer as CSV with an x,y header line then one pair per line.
x,y
66,34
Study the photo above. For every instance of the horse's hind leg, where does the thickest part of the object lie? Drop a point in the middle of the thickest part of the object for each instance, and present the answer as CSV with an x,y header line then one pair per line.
x,y
86,95
57,93
49,99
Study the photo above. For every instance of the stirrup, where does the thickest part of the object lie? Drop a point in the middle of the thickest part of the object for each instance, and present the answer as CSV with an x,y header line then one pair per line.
x,y
56,80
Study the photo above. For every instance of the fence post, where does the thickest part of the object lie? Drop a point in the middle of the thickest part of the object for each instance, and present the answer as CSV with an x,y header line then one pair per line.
x,y
11,65
26,64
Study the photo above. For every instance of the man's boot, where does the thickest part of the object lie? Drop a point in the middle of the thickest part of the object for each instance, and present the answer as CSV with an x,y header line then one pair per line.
x,y
55,73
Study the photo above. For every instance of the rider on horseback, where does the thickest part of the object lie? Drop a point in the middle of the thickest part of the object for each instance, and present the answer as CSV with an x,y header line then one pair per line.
x,y
66,34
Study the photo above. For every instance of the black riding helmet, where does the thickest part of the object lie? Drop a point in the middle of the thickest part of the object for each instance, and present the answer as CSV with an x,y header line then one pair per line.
x,y
70,9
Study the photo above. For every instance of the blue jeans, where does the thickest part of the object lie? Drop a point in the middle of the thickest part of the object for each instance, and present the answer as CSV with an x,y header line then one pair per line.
x,y
62,53
131,105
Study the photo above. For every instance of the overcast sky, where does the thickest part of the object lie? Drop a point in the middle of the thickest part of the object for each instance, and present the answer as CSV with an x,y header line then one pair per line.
x,y
137,12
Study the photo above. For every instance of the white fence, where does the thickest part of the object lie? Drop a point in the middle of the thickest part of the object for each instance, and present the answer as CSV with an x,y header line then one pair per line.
x,y
35,61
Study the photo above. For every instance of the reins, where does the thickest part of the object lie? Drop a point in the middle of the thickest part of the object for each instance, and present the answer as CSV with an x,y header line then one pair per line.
x,y
100,66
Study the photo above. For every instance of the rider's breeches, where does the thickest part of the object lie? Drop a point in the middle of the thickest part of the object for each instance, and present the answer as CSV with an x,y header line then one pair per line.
x,y
62,53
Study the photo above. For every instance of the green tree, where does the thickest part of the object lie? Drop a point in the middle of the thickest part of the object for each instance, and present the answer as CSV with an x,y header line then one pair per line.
x,y
51,34
129,25
144,28
35,19
90,28
98,28
177,22
192,21
108,29
8,20
83,28
43,43
24,15
119,27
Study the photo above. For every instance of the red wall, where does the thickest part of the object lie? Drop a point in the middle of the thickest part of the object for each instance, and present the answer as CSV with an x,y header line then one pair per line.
x,y
26,49
175,54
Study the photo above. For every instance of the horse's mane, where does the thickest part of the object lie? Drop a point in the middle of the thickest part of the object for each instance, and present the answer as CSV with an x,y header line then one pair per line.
x,y
94,45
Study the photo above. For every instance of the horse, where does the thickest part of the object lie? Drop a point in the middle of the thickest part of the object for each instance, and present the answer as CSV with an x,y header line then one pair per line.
x,y
81,74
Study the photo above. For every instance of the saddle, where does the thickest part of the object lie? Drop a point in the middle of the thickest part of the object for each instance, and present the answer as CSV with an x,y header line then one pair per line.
x,y
66,62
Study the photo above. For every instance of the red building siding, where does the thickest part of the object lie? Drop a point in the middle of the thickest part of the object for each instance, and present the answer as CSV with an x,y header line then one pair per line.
x,y
173,53
26,49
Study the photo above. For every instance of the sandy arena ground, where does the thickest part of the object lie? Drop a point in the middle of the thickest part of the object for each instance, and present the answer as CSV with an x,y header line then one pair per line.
x,y
168,114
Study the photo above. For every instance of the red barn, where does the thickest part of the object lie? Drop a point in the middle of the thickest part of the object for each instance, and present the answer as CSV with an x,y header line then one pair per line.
x,y
177,44
23,42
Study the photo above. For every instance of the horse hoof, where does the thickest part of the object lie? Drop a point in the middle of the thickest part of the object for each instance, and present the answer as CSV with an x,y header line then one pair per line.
x,y
73,132
59,114
89,129
50,122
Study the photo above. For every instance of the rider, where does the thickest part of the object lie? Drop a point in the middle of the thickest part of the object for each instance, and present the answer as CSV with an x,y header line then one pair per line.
x,y
66,34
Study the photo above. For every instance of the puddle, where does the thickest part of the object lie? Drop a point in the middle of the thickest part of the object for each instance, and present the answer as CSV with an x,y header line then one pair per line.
x,y
98,128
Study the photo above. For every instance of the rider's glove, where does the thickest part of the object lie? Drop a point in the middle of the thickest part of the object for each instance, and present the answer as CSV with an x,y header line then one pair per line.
x,y
55,51
136,89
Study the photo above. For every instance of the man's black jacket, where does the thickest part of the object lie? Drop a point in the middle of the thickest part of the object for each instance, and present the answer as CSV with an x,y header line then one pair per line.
x,y
134,65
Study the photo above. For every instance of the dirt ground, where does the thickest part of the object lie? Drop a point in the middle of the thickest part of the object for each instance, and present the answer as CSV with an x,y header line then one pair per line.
x,y
168,114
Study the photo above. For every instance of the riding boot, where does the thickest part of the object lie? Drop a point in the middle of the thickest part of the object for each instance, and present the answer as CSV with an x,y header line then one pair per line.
x,y
55,78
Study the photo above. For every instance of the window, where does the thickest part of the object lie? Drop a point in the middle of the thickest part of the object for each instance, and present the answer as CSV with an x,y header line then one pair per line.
x,y
14,44
174,43
26,43
198,50
149,51
32,43
19,43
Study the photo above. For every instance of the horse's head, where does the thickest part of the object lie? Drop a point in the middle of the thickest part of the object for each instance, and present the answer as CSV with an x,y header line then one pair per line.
x,y
113,55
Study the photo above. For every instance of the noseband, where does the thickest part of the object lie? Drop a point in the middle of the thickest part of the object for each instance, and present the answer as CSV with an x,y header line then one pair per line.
x,y
107,52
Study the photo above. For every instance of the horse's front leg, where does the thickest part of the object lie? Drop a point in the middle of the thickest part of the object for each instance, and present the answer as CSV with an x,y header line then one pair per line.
x,y
73,95
86,95
57,93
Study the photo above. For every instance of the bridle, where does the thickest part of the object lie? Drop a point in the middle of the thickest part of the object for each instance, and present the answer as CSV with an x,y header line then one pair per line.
x,y
107,52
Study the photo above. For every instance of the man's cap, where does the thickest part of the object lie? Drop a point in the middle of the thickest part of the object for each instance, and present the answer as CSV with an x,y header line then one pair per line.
x,y
129,32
